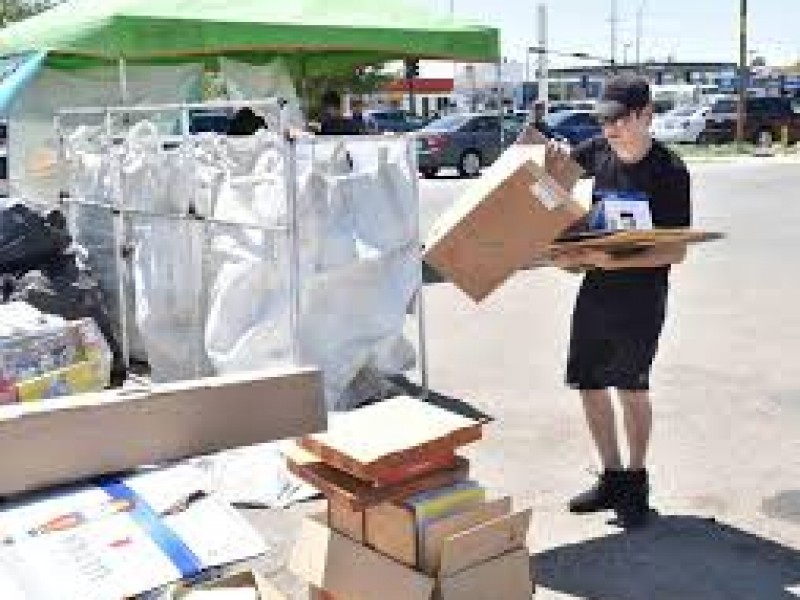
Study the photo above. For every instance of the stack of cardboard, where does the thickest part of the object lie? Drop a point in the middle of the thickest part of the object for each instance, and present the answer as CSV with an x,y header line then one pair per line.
x,y
404,520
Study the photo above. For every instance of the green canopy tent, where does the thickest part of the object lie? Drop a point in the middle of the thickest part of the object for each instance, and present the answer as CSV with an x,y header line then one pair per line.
x,y
320,35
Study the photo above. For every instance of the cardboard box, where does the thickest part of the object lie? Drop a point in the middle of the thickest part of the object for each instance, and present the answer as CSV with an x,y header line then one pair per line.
x,y
394,440
520,205
72,438
356,494
332,562
395,529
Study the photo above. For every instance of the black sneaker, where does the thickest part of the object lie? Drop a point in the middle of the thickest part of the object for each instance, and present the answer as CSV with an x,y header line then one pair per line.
x,y
633,507
603,495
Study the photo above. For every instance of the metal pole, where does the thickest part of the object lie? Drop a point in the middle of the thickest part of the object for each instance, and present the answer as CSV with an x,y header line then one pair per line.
x,y
613,21
120,243
123,82
544,75
290,174
743,74
411,153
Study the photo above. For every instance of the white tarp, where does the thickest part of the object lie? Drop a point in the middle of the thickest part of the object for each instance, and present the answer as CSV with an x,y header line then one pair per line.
x,y
31,138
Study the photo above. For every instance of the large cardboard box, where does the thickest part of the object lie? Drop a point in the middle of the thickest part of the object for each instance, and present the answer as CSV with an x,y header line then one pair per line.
x,y
72,438
520,205
489,561
393,441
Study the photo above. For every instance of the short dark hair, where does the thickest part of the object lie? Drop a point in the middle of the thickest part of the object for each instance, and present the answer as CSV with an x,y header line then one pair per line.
x,y
623,94
331,98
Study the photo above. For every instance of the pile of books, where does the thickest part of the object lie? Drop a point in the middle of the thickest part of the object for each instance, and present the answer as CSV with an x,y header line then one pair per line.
x,y
404,519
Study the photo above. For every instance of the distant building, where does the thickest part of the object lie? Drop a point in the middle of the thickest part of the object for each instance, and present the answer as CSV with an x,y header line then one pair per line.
x,y
431,96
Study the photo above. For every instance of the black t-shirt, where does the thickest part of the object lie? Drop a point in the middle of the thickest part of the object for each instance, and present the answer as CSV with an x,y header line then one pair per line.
x,y
663,177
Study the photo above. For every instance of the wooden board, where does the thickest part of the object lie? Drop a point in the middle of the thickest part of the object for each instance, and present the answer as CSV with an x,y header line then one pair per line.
x,y
433,535
358,494
392,530
398,438
484,542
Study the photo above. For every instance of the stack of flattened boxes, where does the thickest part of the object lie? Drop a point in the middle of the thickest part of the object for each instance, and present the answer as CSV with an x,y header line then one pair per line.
x,y
404,521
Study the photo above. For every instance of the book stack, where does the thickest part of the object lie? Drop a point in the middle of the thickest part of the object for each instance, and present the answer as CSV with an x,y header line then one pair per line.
x,y
404,520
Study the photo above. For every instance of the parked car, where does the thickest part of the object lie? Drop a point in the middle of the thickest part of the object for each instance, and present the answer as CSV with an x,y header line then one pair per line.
x,y
574,126
765,119
391,120
681,125
464,141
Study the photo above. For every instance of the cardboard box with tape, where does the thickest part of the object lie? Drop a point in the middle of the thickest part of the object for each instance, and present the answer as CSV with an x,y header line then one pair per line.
x,y
520,206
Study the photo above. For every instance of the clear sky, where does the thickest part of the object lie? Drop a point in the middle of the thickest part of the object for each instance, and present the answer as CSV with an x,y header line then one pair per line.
x,y
687,30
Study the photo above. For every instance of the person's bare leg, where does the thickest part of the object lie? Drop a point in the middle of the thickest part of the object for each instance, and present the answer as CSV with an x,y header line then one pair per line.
x,y
600,417
638,415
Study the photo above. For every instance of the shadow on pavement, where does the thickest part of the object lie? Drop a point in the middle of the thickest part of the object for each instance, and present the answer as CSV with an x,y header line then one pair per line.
x,y
674,558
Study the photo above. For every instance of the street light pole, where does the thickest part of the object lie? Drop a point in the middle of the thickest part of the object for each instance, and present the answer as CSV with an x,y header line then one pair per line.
x,y
743,74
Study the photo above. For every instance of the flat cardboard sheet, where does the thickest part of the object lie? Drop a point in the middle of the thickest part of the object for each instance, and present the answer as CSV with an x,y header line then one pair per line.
x,y
628,241
433,536
73,438
397,435
506,577
358,494
481,543
519,206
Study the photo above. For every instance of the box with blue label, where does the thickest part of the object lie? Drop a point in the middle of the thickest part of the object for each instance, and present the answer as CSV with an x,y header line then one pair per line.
x,y
620,211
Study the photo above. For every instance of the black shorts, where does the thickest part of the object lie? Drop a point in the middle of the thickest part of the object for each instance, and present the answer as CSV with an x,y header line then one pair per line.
x,y
614,338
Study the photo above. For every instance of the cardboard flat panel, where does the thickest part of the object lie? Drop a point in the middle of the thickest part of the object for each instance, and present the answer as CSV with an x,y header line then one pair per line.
x,y
433,535
376,440
335,563
625,241
358,494
503,221
506,577
484,542
392,530
73,438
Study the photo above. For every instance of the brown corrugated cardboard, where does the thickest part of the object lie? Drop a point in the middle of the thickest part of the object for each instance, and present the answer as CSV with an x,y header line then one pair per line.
x,y
68,439
484,542
344,519
392,530
333,562
628,241
347,570
369,444
504,220
506,577
358,494
432,537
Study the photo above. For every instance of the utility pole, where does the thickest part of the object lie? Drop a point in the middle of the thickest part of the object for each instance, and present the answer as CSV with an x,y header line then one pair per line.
x,y
743,71
639,27
543,77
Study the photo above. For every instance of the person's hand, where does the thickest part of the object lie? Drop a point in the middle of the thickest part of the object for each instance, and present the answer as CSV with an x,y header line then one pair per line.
x,y
569,259
597,258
